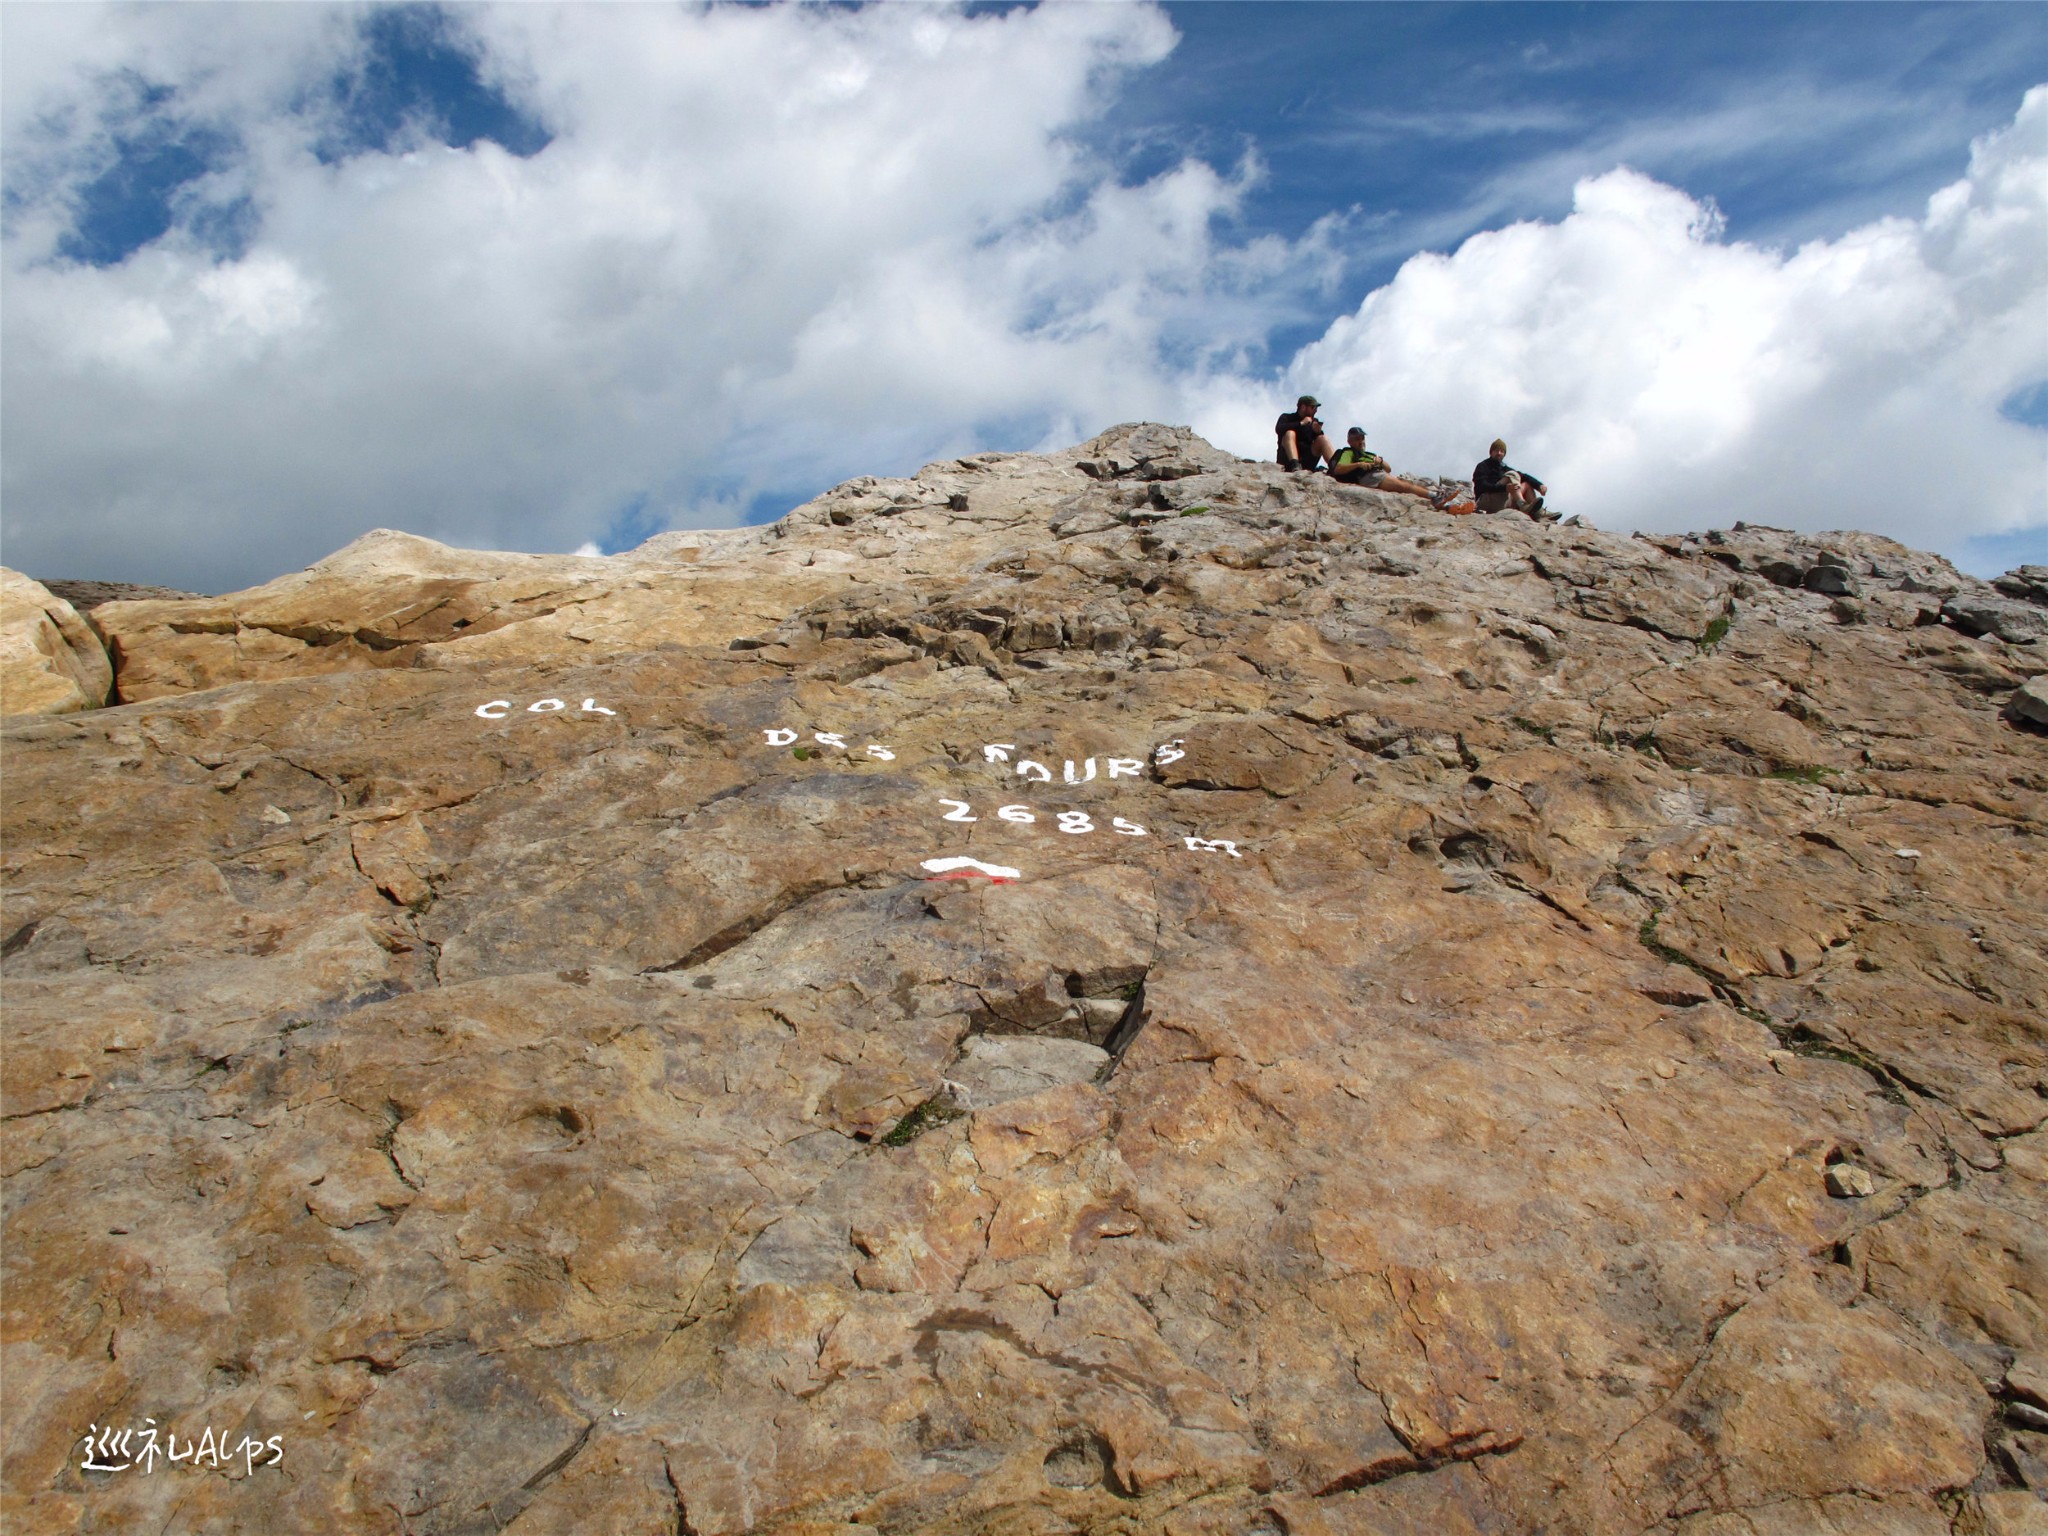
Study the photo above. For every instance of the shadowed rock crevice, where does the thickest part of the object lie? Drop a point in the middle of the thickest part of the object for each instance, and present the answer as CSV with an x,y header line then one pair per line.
x,y
507,1508
1468,1447
746,927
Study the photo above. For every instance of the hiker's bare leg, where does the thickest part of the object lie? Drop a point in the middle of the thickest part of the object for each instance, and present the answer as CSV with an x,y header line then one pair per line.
x,y
1405,487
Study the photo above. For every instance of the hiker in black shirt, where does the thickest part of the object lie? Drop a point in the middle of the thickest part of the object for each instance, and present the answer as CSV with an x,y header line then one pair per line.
x,y
1302,444
1496,486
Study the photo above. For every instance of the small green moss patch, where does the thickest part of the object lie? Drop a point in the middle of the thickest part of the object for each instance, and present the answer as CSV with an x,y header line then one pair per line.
x,y
1646,935
1814,775
929,1114
1717,631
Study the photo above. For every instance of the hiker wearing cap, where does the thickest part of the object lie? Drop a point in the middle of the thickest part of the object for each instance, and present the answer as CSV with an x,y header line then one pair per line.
x,y
1496,486
1353,465
1301,439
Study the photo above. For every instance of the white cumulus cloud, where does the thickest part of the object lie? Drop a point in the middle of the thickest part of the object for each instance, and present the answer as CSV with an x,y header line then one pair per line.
x,y
770,247
1660,376
766,248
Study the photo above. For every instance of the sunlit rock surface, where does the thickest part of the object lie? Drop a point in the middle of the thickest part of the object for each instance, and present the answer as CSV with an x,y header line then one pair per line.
x,y
519,1034
51,662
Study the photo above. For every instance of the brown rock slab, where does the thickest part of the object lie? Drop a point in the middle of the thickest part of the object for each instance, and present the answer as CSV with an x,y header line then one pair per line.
x,y
1876,1407
2007,1512
1262,752
993,1069
627,1045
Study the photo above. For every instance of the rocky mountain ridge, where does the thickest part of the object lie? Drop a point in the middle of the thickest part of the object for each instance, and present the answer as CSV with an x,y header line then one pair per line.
x,y
1112,991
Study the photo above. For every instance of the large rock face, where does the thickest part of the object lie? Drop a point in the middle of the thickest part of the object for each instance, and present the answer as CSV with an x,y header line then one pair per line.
x,y
1123,991
392,600
51,662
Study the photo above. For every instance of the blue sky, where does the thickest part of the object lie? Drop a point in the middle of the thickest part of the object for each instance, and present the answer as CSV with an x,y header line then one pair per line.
x,y
412,78
548,277
1436,121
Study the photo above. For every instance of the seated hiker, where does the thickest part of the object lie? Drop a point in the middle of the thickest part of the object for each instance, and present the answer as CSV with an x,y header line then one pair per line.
x,y
1496,486
1302,443
1353,465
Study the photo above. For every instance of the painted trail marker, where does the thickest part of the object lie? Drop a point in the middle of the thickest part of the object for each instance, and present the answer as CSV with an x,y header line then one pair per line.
x,y
966,869
498,709
1001,755
782,736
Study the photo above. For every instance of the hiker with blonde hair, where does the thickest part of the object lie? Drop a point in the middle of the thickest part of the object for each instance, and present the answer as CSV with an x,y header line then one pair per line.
x,y
1496,486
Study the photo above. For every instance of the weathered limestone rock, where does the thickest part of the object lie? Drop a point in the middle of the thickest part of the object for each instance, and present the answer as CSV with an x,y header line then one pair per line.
x,y
2029,582
395,600
994,1069
1846,1181
51,662
2019,622
1109,991
2006,1513
2029,701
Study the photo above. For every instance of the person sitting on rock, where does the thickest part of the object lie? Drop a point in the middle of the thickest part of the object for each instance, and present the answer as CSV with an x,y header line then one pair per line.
x,y
1302,443
1496,486
1353,465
